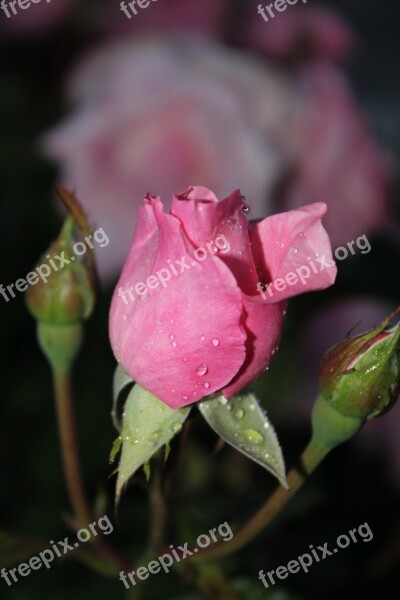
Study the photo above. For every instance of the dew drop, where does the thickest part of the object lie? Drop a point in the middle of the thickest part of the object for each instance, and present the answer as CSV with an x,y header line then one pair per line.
x,y
254,436
223,400
176,427
184,397
202,369
246,208
202,338
266,425
171,336
207,385
215,342
252,407
239,413
174,344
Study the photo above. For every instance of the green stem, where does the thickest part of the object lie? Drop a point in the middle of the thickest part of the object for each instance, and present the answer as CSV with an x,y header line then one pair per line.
x,y
309,460
158,512
68,445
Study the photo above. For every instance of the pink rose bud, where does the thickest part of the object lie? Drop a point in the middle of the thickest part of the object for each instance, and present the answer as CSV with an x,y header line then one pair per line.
x,y
201,300
360,377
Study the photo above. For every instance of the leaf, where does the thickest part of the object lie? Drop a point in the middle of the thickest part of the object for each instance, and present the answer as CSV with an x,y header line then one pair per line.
x,y
116,447
121,381
242,423
148,424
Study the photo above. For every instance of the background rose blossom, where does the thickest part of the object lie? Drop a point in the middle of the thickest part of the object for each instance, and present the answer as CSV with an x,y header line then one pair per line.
x,y
37,18
304,32
336,159
155,115
162,15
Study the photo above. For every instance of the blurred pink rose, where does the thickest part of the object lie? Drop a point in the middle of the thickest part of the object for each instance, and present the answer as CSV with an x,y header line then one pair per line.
x,y
37,18
335,158
165,15
303,32
161,113
198,318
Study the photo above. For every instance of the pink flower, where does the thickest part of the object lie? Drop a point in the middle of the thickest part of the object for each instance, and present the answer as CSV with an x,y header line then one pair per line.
x,y
167,112
335,158
39,17
187,319
303,32
167,15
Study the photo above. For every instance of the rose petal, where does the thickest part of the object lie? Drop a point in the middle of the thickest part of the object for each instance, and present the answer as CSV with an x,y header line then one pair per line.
x,y
263,324
204,219
183,341
293,242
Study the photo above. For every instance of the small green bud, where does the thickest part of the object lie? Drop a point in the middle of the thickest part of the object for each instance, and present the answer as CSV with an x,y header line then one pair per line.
x,y
65,294
360,377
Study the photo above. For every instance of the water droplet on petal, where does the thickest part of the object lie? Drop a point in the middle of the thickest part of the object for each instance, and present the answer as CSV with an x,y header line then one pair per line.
x,y
202,369
184,397
215,342
171,336
207,385
202,338
246,208
239,413
174,344
254,436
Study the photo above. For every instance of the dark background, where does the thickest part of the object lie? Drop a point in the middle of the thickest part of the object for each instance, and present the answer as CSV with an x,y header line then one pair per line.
x,y
353,486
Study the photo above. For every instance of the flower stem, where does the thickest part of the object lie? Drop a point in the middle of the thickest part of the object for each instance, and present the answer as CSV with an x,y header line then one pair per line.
x,y
68,444
309,460
158,512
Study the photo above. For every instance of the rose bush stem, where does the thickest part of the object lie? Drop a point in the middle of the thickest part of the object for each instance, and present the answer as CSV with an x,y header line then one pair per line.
x,y
309,460
68,445
72,471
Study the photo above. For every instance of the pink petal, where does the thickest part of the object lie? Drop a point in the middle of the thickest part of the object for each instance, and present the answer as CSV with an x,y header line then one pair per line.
x,y
204,219
293,252
263,324
185,340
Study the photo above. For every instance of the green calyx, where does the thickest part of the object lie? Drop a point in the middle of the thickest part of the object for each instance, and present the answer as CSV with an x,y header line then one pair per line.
x,y
360,377
65,292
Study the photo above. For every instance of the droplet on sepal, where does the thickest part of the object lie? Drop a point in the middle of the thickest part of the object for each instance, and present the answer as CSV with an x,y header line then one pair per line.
x,y
254,436
239,413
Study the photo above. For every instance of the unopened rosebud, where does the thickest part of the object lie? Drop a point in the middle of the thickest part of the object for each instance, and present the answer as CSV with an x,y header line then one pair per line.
x,y
65,293
360,377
